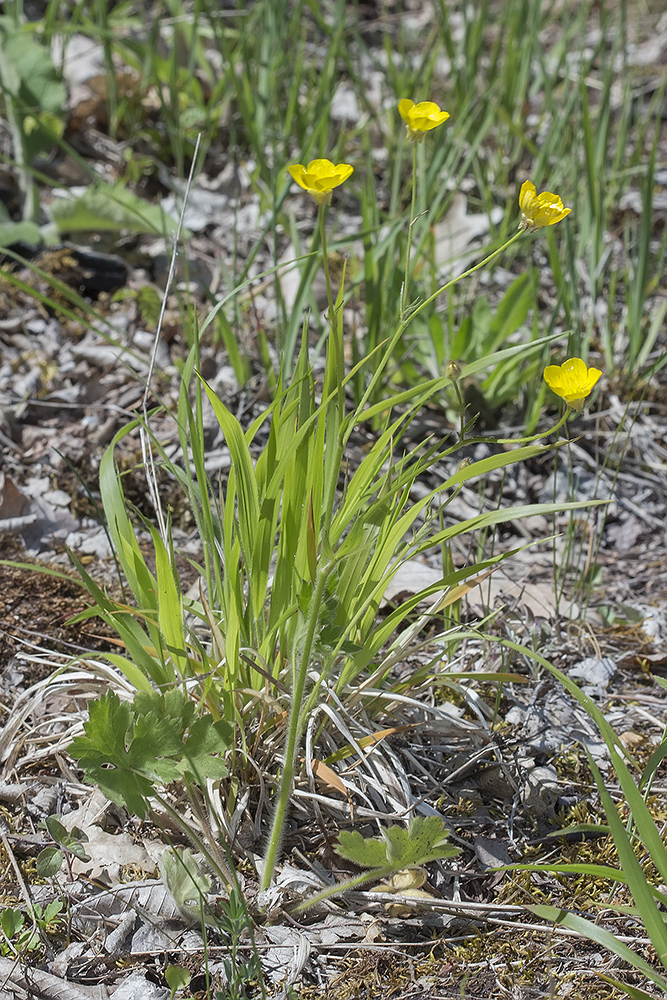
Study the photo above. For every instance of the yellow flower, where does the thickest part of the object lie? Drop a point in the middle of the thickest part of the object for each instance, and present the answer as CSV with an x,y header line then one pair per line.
x,y
542,209
421,118
320,177
572,380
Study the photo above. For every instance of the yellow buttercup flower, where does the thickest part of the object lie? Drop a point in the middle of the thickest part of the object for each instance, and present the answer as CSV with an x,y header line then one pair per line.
x,y
544,209
572,380
421,118
320,177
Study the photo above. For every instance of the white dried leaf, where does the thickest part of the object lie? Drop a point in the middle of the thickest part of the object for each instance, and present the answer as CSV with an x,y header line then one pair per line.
x,y
137,987
290,949
104,908
596,672
37,983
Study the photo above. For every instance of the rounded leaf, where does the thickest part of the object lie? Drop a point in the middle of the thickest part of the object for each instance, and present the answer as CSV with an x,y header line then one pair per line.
x,y
49,862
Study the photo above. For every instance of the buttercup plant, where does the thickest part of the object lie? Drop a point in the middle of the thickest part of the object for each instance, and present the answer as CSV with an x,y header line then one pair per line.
x,y
264,537
319,179
295,563
325,558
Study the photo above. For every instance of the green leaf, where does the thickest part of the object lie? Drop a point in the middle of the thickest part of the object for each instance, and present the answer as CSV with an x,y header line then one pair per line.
x,y
366,852
647,831
51,910
499,461
132,672
150,304
109,757
58,832
170,604
172,704
129,748
11,921
20,232
654,761
177,978
248,494
424,840
73,844
34,95
187,884
105,730
49,862
71,840
509,352
28,73
110,208
512,311
205,739
156,747
651,916
632,991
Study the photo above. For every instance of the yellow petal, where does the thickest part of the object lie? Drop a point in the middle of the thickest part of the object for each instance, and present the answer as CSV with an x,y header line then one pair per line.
x,y
421,117
426,116
574,370
319,166
548,209
343,171
593,375
526,196
320,177
297,172
404,108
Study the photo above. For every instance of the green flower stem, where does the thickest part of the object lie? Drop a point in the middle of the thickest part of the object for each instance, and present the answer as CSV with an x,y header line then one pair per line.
x,y
336,331
405,323
406,277
199,810
462,409
294,727
460,277
333,412
325,261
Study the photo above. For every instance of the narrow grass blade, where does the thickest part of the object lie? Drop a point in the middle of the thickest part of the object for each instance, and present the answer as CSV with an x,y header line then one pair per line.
x,y
601,936
169,605
632,991
651,917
